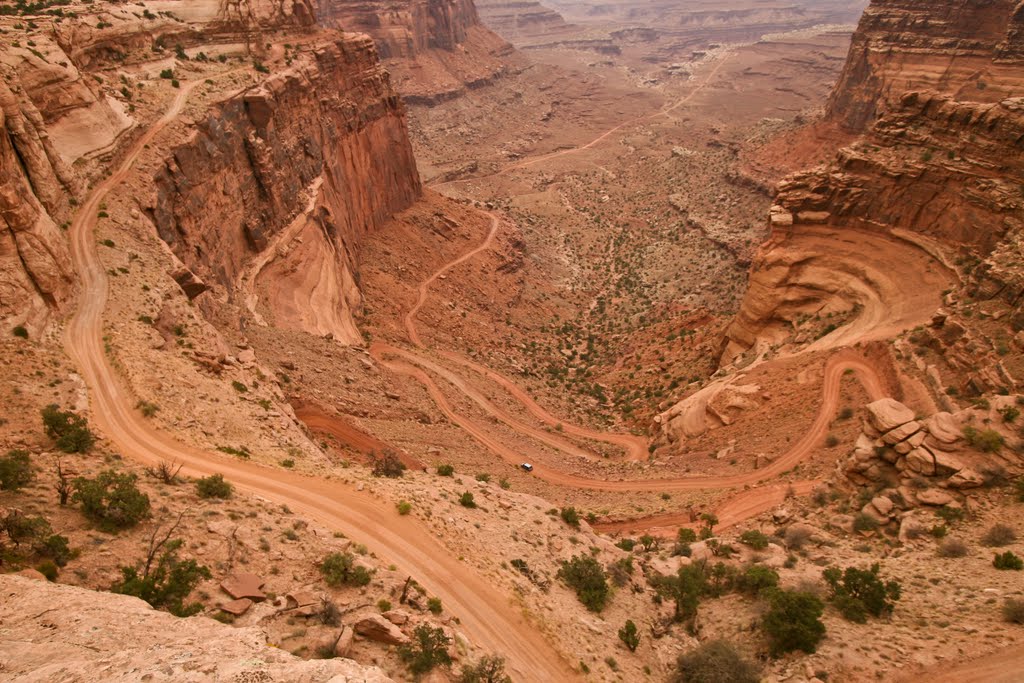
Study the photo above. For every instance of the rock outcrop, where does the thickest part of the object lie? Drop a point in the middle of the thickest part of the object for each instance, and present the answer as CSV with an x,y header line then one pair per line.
x,y
120,638
970,51
281,182
938,168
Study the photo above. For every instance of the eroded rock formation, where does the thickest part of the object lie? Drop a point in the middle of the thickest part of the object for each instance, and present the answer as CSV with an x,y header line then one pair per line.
x,y
283,181
864,241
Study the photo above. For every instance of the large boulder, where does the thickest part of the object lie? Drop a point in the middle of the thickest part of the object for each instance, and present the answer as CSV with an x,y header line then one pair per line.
x,y
902,432
887,414
375,627
935,497
966,479
921,461
944,428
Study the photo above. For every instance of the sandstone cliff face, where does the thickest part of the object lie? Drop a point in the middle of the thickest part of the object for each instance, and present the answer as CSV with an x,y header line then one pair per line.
x,y
864,240
317,155
101,636
973,51
35,186
521,19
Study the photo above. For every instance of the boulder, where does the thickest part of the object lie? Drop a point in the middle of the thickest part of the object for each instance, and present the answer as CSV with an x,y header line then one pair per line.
x,y
921,461
302,598
902,432
944,428
343,646
888,414
904,447
244,585
883,505
397,617
33,574
375,627
947,464
966,479
237,607
934,497
842,522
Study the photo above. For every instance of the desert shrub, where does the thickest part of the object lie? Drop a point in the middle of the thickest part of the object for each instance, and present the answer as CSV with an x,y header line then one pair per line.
x,y
685,588
446,470
466,500
168,584
111,501
858,593
620,570
33,537
68,429
19,331
757,579
715,661
755,539
1018,490
435,606
15,470
328,614
428,649
1013,611
388,465
626,544
831,441
1009,414
649,542
488,669
404,507
708,522
797,537
147,409
1008,560
570,516
629,635
953,547
864,522
999,535
985,440
213,486
48,569
793,622
950,515
586,577
340,569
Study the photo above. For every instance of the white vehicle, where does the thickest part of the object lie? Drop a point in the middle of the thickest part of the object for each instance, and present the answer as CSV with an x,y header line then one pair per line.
x,y
527,467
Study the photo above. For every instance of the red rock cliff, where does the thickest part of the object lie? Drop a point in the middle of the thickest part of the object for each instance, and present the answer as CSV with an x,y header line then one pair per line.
x,y
319,151
967,49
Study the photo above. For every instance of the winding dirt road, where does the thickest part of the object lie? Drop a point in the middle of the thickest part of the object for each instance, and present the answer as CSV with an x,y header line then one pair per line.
x,y
489,619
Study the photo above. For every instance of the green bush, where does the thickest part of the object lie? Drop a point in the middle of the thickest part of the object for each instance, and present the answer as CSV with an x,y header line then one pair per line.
x,y
48,569
446,470
15,470
629,635
68,429
1008,560
489,669
858,593
715,661
168,584
585,575
111,501
755,539
20,331
985,440
1013,611
435,606
404,507
570,516
864,522
428,649
793,622
214,486
757,579
340,569
466,500
685,588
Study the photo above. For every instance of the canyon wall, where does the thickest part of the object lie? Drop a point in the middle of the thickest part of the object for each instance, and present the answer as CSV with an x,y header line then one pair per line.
x,y
938,89
317,155
969,50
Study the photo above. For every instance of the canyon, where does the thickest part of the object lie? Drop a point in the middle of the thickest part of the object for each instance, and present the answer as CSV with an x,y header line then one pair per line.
x,y
454,298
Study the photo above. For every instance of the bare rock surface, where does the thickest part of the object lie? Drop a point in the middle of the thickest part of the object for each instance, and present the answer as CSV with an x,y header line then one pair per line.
x,y
101,636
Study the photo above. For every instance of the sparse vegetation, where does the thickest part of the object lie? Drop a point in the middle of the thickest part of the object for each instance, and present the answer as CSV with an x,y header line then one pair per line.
x,y
985,440
793,622
428,649
859,593
466,500
953,547
570,516
445,470
488,669
755,539
999,535
1013,611
340,569
111,500
629,635
69,430
1008,560
715,661
213,486
167,584
387,465
585,576
404,507
15,470
684,588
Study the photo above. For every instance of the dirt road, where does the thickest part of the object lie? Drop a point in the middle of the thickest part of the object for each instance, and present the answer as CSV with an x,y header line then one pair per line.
x,y
488,617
